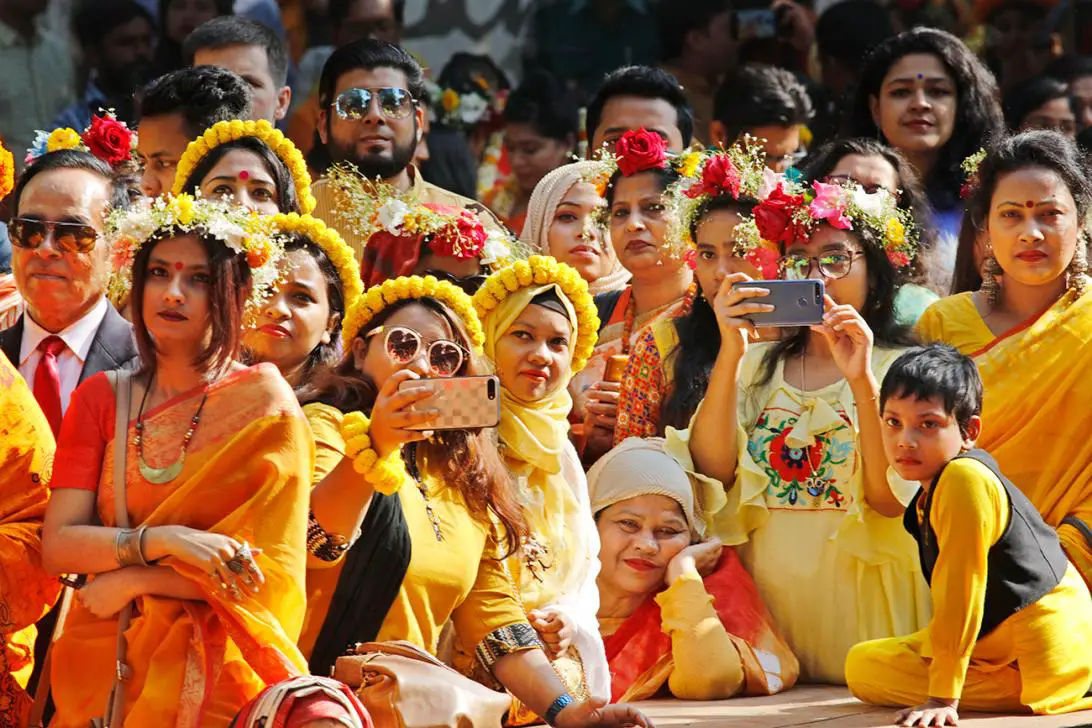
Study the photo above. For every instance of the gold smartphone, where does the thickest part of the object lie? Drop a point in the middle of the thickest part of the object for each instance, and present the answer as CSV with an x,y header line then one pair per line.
x,y
464,403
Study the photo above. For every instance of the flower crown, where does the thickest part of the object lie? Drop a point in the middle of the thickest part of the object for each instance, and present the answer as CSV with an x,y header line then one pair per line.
x,y
223,132
409,288
738,172
540,270
469,108
128,230
281,226
107,138
790,211
7,172
970,167
378,207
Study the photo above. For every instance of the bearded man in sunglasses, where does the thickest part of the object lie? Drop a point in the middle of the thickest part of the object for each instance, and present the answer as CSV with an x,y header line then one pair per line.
x,y
373,100
69,331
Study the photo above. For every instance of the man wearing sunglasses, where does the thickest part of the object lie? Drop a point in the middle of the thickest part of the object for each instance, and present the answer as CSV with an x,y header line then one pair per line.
x,y
68,330
373,113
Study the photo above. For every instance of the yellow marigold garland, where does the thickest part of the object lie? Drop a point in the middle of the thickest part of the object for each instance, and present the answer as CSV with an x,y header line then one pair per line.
x,y
539,270
385,473
326,238
408,288
223,132
7,172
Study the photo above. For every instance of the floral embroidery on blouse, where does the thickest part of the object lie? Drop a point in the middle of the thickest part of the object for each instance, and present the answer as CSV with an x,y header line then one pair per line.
x,y
643,389
809,469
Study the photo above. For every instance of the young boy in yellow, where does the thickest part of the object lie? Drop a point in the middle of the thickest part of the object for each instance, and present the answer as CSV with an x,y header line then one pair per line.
x,y
1012,618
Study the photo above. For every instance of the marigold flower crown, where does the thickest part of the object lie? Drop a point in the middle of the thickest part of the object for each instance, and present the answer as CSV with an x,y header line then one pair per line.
x,y
738,172
223,132
127,231
283,225
409,288
790,211
7,172
107,138
373,206
540,270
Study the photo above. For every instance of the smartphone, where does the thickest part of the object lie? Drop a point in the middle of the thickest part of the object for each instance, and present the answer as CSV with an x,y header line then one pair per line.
x,y
757,23
465,403
796,303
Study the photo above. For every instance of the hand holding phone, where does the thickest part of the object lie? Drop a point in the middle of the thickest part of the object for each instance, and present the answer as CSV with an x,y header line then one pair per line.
x,y
794,303
400,412
849,338
455,403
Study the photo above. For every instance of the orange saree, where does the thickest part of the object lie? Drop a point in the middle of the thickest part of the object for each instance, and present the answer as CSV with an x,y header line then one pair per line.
x,y
247,474
641,655
26,592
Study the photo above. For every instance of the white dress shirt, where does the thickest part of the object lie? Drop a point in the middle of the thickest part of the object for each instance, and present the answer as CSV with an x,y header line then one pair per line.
x,y
77,339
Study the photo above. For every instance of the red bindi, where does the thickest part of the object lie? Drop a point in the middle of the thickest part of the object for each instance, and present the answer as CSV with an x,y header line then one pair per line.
x,y
178,266
244,175
1029,204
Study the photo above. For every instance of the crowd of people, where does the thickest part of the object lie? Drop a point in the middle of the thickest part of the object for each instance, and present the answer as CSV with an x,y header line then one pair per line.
x,y
310,356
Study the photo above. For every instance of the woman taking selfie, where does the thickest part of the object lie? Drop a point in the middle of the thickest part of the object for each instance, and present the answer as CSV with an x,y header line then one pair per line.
x,y
216,471
410,529
567,219
1028,326
299,326
661,286
792,430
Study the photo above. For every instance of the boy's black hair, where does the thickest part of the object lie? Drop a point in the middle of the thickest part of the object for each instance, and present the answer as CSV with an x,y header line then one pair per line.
x,y
760,95
203,95
940,371
644,82
236,30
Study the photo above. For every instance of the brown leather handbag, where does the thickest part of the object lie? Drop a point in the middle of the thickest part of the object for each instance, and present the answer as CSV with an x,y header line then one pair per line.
x,y
403,686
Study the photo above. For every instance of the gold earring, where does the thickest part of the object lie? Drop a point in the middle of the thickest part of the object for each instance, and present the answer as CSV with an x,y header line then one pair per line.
x,y
991,270
1077,271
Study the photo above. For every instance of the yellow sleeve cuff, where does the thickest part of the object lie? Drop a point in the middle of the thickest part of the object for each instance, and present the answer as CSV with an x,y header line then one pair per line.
x,y
946,677
685,603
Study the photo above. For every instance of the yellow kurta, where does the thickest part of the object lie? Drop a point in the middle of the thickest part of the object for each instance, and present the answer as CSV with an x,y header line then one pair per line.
x,y
1039,658
832,571
26,591
457,579
1037,380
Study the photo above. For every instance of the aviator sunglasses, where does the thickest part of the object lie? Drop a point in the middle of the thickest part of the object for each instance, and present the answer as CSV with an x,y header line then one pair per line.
x,y
402,345
70,237
394,103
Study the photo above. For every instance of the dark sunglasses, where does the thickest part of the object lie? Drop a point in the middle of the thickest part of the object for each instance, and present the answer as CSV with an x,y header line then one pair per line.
x,y
394,103
468,284
402,345
71,237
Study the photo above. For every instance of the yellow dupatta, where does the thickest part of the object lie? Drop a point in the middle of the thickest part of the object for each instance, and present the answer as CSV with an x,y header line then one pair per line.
x,y
26,591
553,491
247,474
1036,417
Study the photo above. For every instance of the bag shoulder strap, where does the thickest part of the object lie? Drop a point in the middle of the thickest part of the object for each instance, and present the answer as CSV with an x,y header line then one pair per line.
x,y
123,390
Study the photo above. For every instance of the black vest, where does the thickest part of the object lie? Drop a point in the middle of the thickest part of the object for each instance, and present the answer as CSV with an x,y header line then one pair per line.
x,y
1025,564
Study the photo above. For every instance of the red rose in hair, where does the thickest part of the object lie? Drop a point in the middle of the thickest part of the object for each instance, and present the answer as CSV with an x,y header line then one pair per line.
x,y
463,238
639,151
718,176
773,216
108,139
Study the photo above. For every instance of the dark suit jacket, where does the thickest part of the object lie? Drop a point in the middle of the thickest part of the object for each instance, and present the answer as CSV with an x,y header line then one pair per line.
x,y
112,348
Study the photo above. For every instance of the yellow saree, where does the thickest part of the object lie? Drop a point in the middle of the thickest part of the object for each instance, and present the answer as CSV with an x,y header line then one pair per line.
x,y
247,474
1036,420
26,592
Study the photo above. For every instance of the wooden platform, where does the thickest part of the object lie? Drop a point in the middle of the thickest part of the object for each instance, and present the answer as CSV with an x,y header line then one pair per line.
x,y
829,707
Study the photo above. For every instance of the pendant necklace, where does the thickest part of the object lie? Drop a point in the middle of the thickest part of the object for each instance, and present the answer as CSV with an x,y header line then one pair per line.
x,y
161,476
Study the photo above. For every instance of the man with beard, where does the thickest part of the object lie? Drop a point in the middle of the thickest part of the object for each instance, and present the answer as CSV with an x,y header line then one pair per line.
x,y
117,38
372,98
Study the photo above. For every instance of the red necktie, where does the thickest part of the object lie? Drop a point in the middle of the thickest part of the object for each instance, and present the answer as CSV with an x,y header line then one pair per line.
x,y
47,381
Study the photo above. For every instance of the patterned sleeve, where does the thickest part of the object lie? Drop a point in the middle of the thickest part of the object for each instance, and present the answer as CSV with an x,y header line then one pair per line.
x,y
643,388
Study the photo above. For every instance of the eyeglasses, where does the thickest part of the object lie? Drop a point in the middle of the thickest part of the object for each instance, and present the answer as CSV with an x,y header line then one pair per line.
x,y
71,237
832,265
844,179
402,345
468,284
354,103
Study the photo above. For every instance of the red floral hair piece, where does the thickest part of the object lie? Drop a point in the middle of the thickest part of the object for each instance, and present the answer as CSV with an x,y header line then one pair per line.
x,y
639,151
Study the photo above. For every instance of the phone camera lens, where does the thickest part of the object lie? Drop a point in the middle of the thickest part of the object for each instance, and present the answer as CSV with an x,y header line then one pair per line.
x,y
802,302
491,389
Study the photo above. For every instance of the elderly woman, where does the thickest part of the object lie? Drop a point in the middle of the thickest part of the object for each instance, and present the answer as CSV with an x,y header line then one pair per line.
x,y
676,611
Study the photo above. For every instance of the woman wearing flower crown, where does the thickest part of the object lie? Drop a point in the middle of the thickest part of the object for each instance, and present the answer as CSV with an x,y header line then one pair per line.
x,y
661,286
792,429
298,327
710,216
217,472
540,325
410,529
249,162
567,219
1029,327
